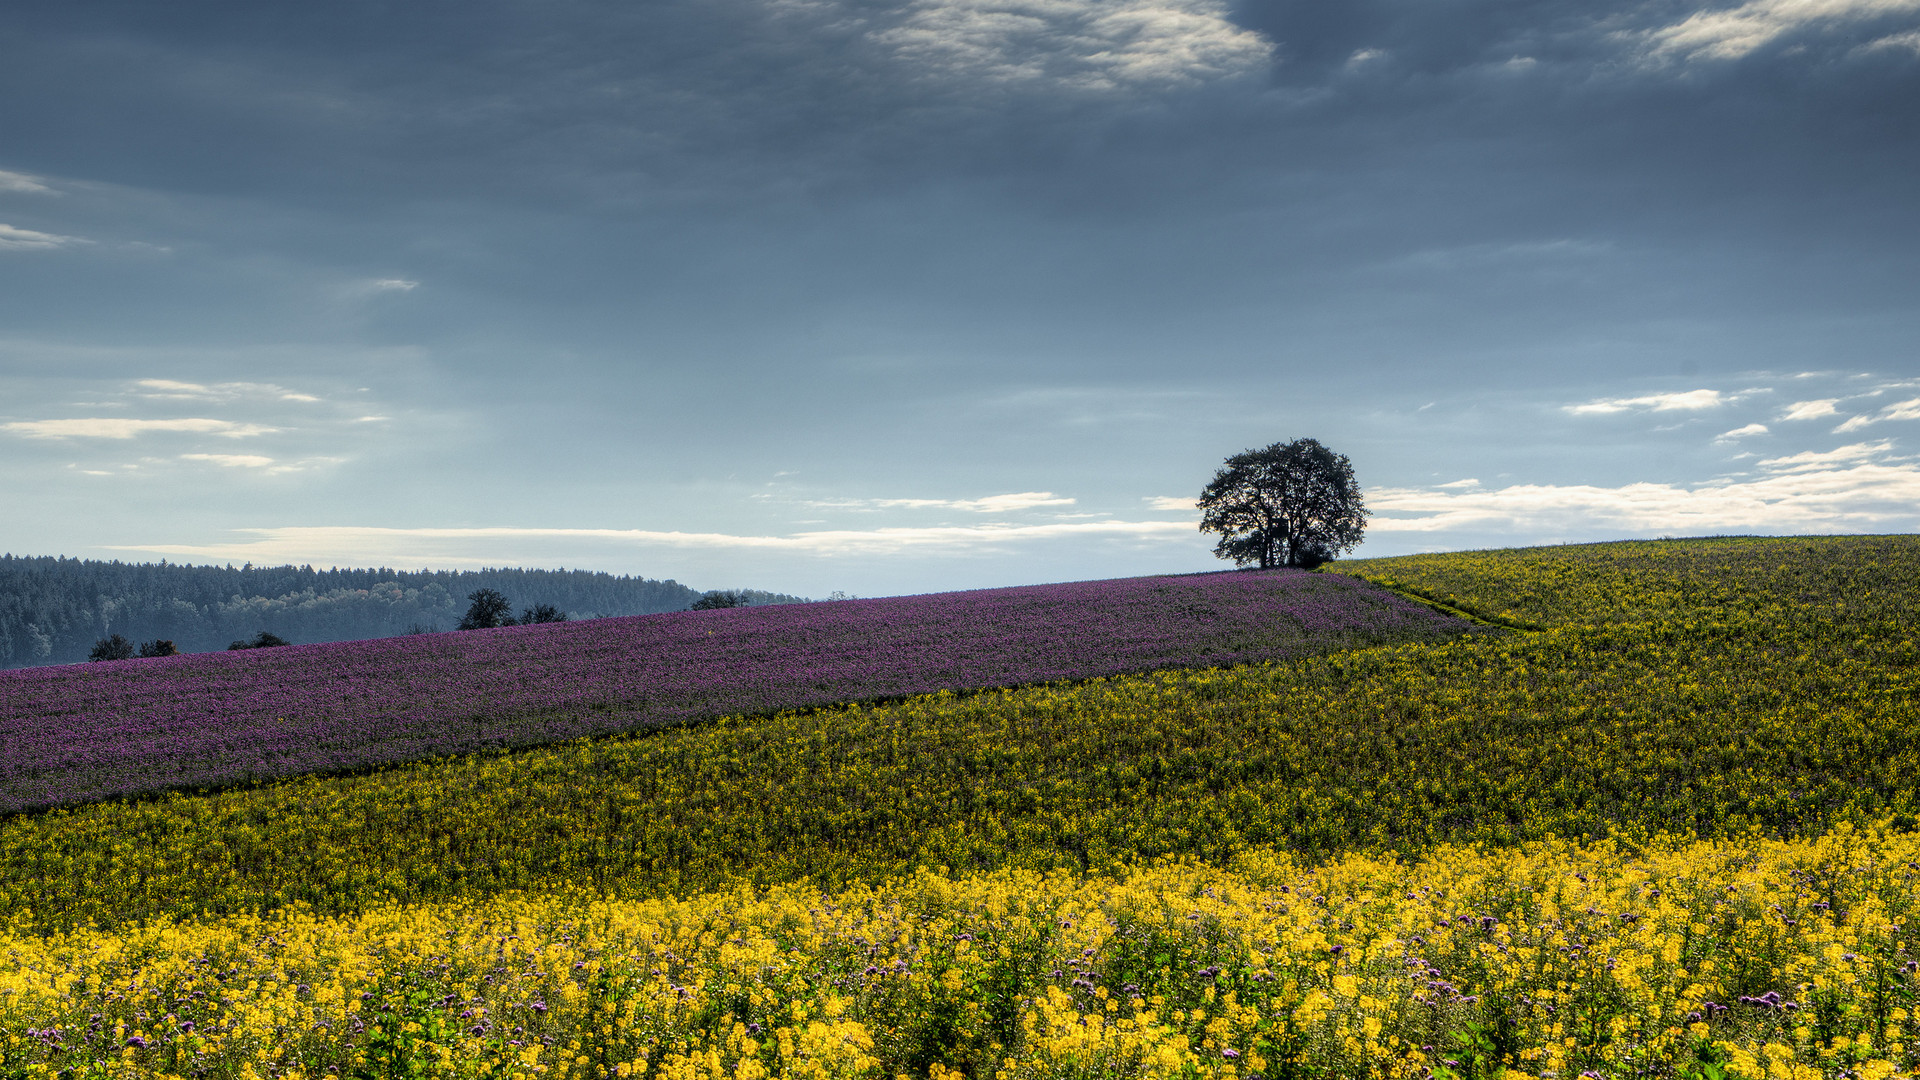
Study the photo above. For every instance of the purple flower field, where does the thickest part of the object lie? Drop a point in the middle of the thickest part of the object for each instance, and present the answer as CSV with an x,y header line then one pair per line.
x,y
91,731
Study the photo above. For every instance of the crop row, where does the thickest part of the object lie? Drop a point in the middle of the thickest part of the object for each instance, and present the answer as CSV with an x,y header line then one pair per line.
x,y
80,733
1866,584
1751,958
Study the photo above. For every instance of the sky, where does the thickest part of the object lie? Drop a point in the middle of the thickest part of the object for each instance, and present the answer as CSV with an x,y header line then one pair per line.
x,y
897,297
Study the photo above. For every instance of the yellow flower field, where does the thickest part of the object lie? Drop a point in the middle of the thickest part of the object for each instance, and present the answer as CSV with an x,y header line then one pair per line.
x,y
1663,825
1748,958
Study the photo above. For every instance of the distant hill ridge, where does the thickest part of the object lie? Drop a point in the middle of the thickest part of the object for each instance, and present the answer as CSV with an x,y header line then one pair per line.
x,y
52,608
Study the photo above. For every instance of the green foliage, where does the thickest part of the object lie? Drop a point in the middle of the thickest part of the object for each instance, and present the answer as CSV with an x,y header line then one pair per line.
x,y
1289,504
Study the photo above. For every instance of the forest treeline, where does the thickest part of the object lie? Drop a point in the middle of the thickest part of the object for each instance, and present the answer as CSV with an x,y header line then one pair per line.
x,y
53,609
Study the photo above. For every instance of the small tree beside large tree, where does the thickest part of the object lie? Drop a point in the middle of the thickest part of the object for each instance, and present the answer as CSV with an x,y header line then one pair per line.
x,y
1291,504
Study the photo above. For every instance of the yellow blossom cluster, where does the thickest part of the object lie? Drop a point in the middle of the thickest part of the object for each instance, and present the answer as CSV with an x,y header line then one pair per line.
x,y
1742,958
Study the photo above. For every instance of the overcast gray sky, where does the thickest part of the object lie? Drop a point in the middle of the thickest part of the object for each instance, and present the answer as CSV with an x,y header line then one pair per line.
x,y
895,297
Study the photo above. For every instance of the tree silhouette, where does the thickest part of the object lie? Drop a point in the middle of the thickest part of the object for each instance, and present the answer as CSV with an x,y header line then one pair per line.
x,y
714,601
1290,504
114,647
488,608
541,613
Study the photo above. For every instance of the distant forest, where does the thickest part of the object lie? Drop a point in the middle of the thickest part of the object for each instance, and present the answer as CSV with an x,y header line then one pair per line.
x,y
52,609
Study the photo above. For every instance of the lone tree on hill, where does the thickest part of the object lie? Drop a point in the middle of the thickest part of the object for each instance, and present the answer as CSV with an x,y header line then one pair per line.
x,y
1291,504
489,608
715,601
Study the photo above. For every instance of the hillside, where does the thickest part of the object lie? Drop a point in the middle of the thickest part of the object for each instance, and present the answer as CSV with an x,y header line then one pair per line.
x,y
1662,824
52,610
132,726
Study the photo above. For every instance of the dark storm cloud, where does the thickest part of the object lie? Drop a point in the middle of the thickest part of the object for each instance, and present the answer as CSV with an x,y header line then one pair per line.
x,y
659,99
1687,97
1078,105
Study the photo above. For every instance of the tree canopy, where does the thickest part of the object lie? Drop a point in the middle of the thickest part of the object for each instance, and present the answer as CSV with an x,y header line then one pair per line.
x,y
1290,504
541,613
489,608
112,647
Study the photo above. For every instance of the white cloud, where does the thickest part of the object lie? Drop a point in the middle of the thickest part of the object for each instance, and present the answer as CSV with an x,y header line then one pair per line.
x,y
1470,482
1730,33
1096,46
1899,410
1818,497
359,290
17,239
367,545
1909,41
114,427
1820,459
21,182
173,389
232,461
1019,500
1693,400
1742,432
271,466
1811,410
1170,502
